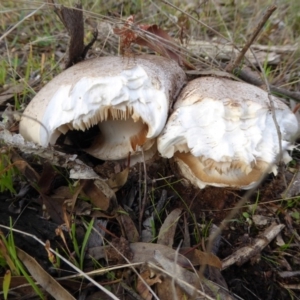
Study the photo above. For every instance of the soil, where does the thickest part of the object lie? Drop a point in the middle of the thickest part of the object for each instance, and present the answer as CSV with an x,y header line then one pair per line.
x,y
256,279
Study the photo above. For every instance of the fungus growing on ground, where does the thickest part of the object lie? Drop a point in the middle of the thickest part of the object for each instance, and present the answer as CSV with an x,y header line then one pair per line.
x,y
222,133
124,100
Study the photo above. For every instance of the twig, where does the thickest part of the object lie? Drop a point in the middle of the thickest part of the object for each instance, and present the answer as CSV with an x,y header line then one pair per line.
x,y
143,204
245,253
72,19
231,66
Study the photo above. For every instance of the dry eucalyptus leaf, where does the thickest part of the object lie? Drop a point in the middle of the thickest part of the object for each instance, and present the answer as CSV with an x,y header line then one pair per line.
x,y
46,179
144,252
188,281
28,172
62,192
116,181
198,257
128,227
167,230
43,278
101,195
142,288
53,208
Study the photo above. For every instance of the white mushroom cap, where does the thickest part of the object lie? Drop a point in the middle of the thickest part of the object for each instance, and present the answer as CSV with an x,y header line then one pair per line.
x,y
222,133
129,99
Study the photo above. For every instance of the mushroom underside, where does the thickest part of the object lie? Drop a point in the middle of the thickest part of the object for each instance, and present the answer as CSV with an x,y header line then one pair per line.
x,y
201,171
122,106
109,133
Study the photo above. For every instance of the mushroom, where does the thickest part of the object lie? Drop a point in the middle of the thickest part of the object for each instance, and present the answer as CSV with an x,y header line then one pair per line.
x,y
126,99
222,133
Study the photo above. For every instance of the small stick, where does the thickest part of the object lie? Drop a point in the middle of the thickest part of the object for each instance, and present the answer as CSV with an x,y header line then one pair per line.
x,y
245,253
144,200
231,66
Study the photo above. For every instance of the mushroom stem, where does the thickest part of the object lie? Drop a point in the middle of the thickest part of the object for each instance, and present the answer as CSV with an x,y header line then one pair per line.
x,y
113,138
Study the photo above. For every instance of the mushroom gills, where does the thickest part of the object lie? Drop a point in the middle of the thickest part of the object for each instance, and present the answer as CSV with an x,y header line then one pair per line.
x,y
119,130
201,172
119,136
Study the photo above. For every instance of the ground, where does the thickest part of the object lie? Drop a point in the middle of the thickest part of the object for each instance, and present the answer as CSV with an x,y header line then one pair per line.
x,y
32,49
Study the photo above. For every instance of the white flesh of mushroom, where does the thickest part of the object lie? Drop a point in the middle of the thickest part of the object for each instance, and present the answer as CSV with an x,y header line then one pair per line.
x,y
222,133
128,98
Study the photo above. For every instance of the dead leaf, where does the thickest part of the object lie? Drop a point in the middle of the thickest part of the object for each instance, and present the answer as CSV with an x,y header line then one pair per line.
x,y
167,291
142,288
143,252
128,227
189,282
43,278
46,179
28,172
167,230
63,192
101,195
198,257
61,205
52,208
162,44
116,181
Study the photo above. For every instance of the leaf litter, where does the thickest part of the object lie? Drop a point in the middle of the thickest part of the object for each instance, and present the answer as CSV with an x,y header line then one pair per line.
x,y
170,271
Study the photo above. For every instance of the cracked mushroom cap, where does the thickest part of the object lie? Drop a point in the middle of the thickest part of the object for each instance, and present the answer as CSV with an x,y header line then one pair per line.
x,y
222,133
128,99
